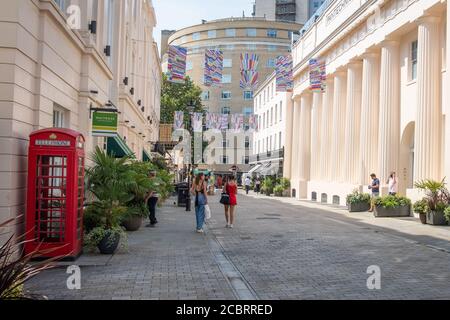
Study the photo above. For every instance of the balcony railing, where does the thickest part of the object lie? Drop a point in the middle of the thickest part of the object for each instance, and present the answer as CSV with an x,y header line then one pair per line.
x,y
270,155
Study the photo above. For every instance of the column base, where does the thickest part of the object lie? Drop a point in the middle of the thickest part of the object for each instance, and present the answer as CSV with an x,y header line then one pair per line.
x,y
330,192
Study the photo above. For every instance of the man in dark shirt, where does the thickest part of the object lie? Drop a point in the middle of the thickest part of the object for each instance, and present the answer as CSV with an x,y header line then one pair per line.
x,y
375,187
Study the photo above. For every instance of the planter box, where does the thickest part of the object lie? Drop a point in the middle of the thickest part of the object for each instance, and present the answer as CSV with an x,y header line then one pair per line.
x,y
436,218
358,207
381,212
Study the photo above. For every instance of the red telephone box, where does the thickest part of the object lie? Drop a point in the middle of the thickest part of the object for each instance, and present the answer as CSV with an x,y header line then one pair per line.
x,y
55,197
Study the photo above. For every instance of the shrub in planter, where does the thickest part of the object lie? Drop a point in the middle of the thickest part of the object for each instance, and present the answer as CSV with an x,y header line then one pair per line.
x,y
134,216
447,214
358,202
437,197
421,208
392,206
278,190
267,186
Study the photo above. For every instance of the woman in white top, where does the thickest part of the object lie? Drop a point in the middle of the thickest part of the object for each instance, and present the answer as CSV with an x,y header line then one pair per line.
x,y
393,184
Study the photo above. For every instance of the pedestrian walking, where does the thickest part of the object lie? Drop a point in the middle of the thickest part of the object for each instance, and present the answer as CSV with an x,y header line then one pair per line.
x,y
152,201
393,184
201,200
247,183
258,185
230,188
375,187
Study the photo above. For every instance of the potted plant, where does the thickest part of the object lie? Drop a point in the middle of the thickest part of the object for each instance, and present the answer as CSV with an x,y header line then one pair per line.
x,y
421,208
278,190
438,199
447,214
110,181
286,185
392,206
267,186
358,202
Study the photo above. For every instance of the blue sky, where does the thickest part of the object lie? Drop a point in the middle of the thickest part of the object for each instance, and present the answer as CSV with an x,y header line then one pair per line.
x,y
177,14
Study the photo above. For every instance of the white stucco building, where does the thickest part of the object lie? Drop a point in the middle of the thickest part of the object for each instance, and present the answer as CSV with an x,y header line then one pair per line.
x,y
386,104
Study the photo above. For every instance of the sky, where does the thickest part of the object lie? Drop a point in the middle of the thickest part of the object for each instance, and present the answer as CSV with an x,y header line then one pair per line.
x,y
178,14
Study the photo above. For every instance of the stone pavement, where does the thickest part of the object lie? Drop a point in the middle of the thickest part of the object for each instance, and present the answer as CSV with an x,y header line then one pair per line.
x,y
278,250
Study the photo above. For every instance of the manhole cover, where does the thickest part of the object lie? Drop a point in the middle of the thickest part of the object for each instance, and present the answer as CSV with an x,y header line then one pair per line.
x,y
273,215
267,218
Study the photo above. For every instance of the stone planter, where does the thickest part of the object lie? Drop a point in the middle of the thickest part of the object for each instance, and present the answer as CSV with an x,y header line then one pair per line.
x,y
133,223
436,218
381,212
358,207
423,218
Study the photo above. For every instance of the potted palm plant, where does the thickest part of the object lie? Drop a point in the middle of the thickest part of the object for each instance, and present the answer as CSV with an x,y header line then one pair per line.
x,y
278,190
268,186
392,206
110,180
358,202
437,198
447,214
421,208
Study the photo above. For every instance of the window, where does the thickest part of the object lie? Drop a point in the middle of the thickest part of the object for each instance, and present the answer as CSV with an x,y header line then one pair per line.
x,y
247,142
212,34
279,137
189,66
271,33
251,46
276,113
259,146
281,111
248,111
109,25
224,160
205,95
271,116
184,39
230,32
227,63
272,48
226,110
271,63
230,47
246,160
61,4
59,117
226,95
226,78
251,32
195,50
196,36
248,95
414,60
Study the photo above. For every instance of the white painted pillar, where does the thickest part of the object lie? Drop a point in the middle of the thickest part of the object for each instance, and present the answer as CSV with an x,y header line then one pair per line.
x,y
288,115
295,141
304,146
326,128
428,133
389,125
370,108
353,123
315,135
338,131
446,86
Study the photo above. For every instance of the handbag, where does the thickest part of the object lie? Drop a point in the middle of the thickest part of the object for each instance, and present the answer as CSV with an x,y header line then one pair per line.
x,y
207,212
225,199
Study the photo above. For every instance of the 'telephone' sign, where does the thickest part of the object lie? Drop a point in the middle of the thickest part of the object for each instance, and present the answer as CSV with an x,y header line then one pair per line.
x,y
104,124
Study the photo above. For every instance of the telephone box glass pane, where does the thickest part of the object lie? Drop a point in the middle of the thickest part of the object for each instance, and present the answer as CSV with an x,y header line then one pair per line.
x,y
51,209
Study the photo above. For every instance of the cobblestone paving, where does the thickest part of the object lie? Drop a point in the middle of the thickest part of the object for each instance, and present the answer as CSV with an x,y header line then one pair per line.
x,y
277,251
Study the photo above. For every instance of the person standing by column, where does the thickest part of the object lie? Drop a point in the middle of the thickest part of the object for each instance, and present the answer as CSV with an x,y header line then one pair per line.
x,y
247,183
375,187
230,188
200,191
258,185
393,184
152,201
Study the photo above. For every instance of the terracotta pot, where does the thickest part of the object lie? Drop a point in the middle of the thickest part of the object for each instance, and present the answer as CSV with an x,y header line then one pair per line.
x,y
133,223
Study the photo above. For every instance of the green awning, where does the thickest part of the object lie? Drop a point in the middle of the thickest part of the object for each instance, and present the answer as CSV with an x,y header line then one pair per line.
x,y
205,172
117,147
145,156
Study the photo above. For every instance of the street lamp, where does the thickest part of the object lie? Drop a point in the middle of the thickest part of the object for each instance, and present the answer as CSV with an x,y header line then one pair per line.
x,y
190,108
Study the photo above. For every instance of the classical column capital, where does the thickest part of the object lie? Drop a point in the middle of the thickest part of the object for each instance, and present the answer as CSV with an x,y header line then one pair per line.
x,y
370,55
355,64
428,19
390,42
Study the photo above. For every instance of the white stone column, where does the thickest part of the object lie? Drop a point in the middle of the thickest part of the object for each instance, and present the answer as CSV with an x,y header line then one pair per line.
x,y
338,131
428,132
370,107
446,105
353,123
289,118
389,125
304,147
326,128
315,135
295,159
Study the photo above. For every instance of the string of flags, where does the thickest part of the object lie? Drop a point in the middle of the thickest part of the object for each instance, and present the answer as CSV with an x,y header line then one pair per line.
x,y
284,74
217,122
213,68
249,71
317,75
177,64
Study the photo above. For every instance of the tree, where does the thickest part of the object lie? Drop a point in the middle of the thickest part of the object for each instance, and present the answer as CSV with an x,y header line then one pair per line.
x,y
176,97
